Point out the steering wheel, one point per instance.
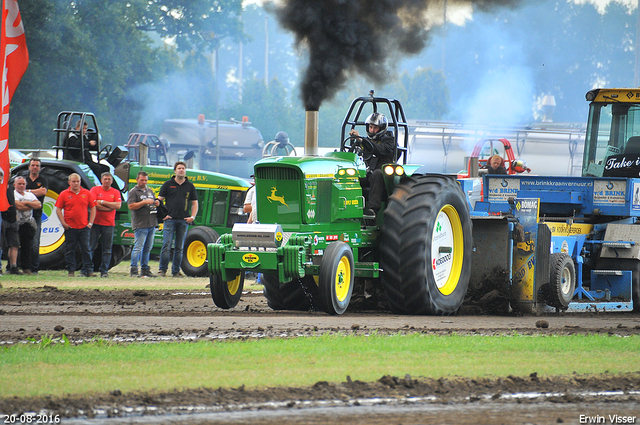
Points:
(361, 146)
(107, 151)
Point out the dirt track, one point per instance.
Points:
(164, 315)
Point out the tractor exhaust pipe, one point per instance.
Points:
(311, 133)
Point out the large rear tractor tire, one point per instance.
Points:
(194, 259)
(226, 295)
(562, 281)
(52, 234)
(335, 284)
(297, 294)
(426, 246)
(118, 253)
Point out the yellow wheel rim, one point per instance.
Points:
(234, 285)
(196, 254)
(343, 279)
(447, 250)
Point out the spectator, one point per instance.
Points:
(72, 207)
(144, 218)
(25, 203)
(9, 225)
(181, 197)
(108, 200)
(38, 185)
(250, 203)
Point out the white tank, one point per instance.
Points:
(553, 149)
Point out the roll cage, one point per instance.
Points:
(360, 109)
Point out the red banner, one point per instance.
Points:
(15, 59)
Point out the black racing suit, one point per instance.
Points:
(384, 152)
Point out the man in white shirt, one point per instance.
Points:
(26, 202)
(250, 203)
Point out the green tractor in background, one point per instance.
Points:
(221, 196)
(314, 246)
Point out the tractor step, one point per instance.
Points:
(618, 245)
(607, 272)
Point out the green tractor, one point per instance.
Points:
(221, 196)
(315, 247)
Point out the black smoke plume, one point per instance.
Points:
(362, 36)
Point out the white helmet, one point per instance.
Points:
(379, 120)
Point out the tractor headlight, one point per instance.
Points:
(391, 169)
(347, 172)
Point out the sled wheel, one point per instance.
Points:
(297, 294)
(335, 284)
(562, 281)
(194, 260)
(226, 294)
(426, 246)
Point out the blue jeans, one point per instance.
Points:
(143, 242)
(178, 228)
(105, 233)
(73, 237)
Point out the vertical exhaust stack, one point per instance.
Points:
(311, 133)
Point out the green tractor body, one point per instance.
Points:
(315, 245)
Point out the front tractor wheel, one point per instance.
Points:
(336, 278)
(226, 295)
(426, 246)
(562, 281)
(194, 260)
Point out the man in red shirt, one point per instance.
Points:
(77, 204)
(108, 200)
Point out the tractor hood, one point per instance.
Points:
(297, 191)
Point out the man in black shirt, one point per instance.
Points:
(38, 185)
(181, 196)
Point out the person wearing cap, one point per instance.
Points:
(250, 202)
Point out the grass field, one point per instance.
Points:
(57, 368)
(48, 368)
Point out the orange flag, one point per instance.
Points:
(15, 59)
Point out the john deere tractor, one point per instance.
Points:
(221, 196)
(315, 247)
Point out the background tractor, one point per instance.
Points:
(570, 242)
(221, 196)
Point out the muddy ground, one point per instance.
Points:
(168, 315)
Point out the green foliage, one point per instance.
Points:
(194, 25)
(85, 55)
(102, 366)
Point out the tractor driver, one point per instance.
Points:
(74, 140)
(383, 150)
